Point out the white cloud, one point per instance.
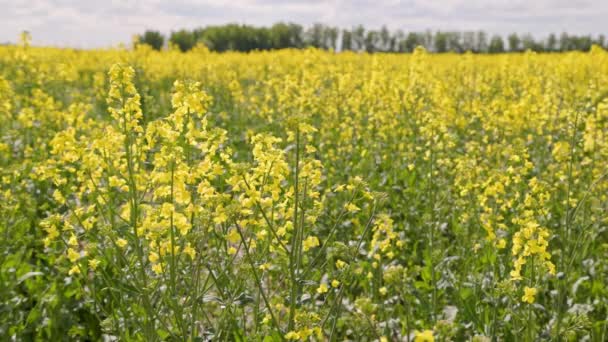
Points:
(88, 23)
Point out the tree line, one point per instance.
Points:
(237, 37)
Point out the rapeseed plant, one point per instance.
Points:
(302, 195)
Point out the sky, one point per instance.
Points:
(95, 23)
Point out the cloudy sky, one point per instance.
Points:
(94, 23)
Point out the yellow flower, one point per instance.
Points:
(261, 235)
(221, 216)
(58, 197)
(310, 242)
(476, 247)
(340, 264)
(322, 288)
(73, 241)
(74, 270)
(73, 255)
(424, 336)
(292, 335)
(287, 227)
(383, 291)
(93, 263)
(335, 283)
(157, 268)
(529, 295)
(233, 236)
(550, 267)
(190, 251)
(352, 208)
(516, 275)
(153, 257)
(121, 243)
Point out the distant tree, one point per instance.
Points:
(564, 42)
(468, 41)
(372, 40)
(441, 42)
(454, 41)
(215, 38)
(412, 40)
(297, 35)
(237, 37)
(153, 38)
(359, 38)
(261, 38)
(314, 36)
(428, 40)
(497, 45)
(551, 44)
(571, 42)
(601, 40)
(330, 38)
(347, 40)
(280, 36)
(584, 43)
(528, 43)
(514, 42)
(385, 43)
(481, 42)
(393, 43)
(183, 39)
(398, 38)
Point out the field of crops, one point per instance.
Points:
(302, 195)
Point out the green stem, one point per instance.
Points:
(294, 248)
(257, 279)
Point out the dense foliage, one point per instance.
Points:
(302, 195)
(153, 38)
(235, 37)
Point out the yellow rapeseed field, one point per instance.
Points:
(302, 195)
